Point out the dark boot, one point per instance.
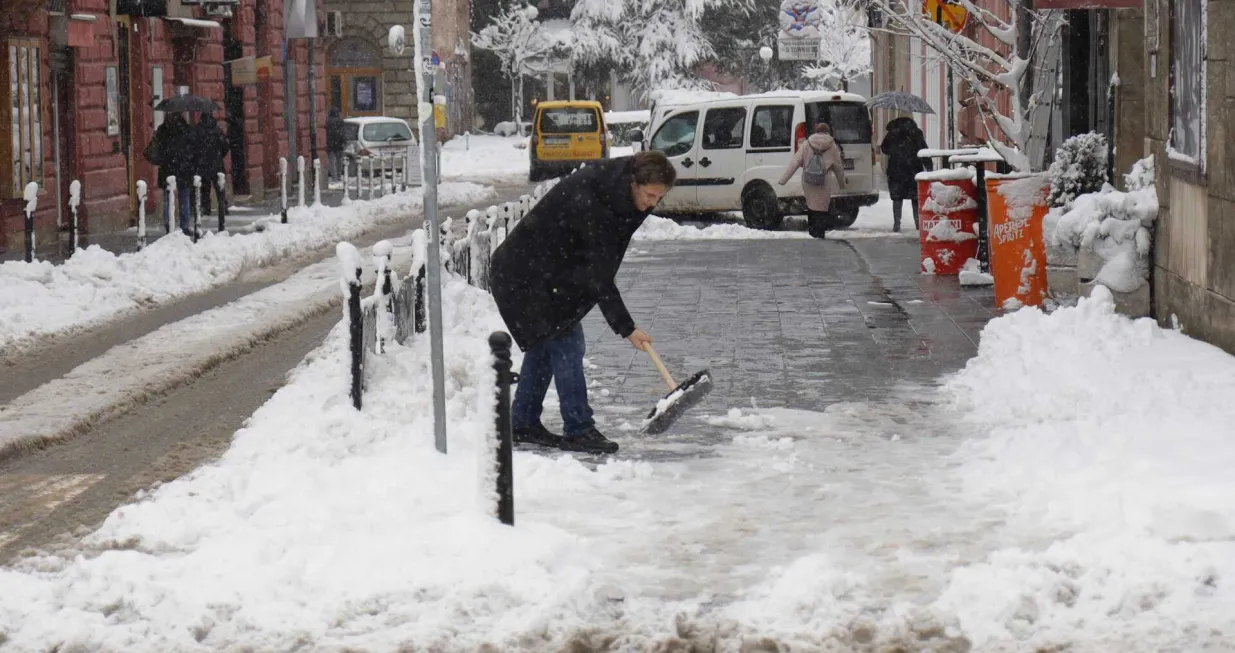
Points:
(592, 441)
(896, 215)
(536, 435)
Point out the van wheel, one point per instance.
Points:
(761, 209)
(845, 218)
(534, 173)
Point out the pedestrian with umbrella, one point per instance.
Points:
(171, 151)
(211, 147)
(901, 144)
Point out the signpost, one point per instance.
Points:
(799, 30)
(426, 63)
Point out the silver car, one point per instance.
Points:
(382, 136)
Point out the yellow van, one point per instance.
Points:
(564, 135)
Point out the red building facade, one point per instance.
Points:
(78, 86)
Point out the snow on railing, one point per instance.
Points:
(396, 309)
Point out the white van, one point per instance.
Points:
(729, 154)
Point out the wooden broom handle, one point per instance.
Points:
(664, 372)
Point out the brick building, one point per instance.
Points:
(365, 78)
(79, 80)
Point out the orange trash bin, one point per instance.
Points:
(1017, 206)
(949, 220)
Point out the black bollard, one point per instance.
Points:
(984, 249)
(420, 300)
(355, 321)
(499, 344)
(29, 235)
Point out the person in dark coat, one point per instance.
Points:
(902, 143)
(171, 150)
(553, 268)
(211, 146)
(336, 140)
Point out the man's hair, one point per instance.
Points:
(652, 167)
(823, 128)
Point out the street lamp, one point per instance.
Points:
(765, 53)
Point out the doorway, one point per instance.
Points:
(233, 106)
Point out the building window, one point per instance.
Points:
(1187, 141)
(21, 116)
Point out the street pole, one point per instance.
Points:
(426, 70)
(951, 126)
(289, 98)
(312, 110)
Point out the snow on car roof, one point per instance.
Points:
(618, 117)
(366, 120)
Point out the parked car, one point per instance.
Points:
(381, 136)
(622, 123)
(565, 134)
(729, 154)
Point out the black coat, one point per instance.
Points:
(902, 143)
(336, 137)
(210, 146)
(171, 150)
(562, 259)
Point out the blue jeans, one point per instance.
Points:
(559, 360)
(184, 208)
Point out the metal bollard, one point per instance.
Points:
(403, 177)
(141, 214)
(317, 182)
(984, 247)
(283, 186)
(370, 159)
(499, 344)
(221, 195)
(74, 225)
(173, 197)
(300, 180)
(346, 190)
(355, 321)
(197, 207)
(381, 166)
(31, 195)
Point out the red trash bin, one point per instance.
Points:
(948, 213)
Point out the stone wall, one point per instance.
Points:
(1194, 259)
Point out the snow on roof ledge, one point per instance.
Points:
(194, 22)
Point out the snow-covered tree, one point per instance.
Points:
(986, 69)
(1079, 168)
(518, 39)
(844, 46)
(654, 43)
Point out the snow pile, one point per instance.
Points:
(972, 275)
(658, 228)
(949, 231)
(945, 198)
(1114, 439)
(1110, 230)
(485, 158)
(95, 285)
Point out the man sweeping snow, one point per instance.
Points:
(559, 263)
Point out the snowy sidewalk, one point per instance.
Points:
(1067, 488)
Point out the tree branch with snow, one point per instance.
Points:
(844, 46)
(986, 71)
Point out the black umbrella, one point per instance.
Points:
(183, 103)
(900, 101)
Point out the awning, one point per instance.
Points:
(194, 22)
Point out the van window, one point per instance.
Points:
(387, 131)
(569, 120)
(677, 135)
(850, 121)
(724, 129)
(772, 127)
